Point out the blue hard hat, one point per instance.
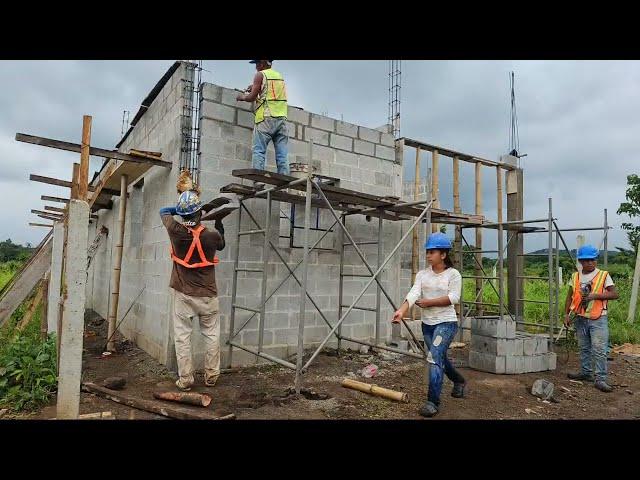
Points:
(438, 240)
(588, 252)
(188, 203)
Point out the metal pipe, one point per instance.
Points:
(388, 208)
(550, 272)
(366, 309)
(234, 286)
(377, 332)
(573, 229)
(383, 347)
(510, 222)
(532, 301)
(117, 265)
(501, 270)
(361, 255)
(356, 275)
(557, 283)
(606, 243)
(284, 363)
(480, 277)
(373, 242)
(563, 242)
(341, 281)
(255, 270)
(305, 271)
(483, 303)
(395, 249)
(265, 264)
(275, 188)
(242, 307)
(251, 232)
(532, 277)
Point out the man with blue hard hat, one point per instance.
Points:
(193, 279)
(269, 93)
(586, 304)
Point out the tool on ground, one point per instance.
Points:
(190, 398)
(123, 317)
(375, 390)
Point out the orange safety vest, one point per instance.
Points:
(195, 244)
(594, 307)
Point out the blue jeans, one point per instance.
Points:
(593, 340)
(271, 129)
(437, 339)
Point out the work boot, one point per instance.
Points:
(429, 410)
(184, 385)
(603, 386)
(580, 376)
(211, 381)
(458, 390)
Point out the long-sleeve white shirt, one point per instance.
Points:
(430, 285)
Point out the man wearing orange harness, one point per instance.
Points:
(193, 279)
(586, 302)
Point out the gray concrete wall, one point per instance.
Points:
(363, 159)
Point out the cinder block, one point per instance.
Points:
(370, 164)
(346, 158)
(382, 179)
(246, 119)
(217, 111)
(388, 140)
(514, 364)
(385, 152)
(486, 362)
(493, 327)
(318, 136)
(348, 129)
(369, 134)
(297, 115)
(366, 148)
(343, 143)
(291, 130)
(211, 92)
(323, 123)
(552, 360)
(229, 98)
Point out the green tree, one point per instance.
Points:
(632, 209)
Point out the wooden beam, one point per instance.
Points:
(435, 186)
(64, 183)
(99, 188)
(54, 199)
(478, 245)
(98, 152)
(46, 213)
(55, 209)
(50, 217)
(74, 185)
(40, 225)
(447, 152)
(83, 177)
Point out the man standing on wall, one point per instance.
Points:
(193, 251)
(270, 108)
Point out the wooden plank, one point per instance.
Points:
(40, 225)
(447, 152)
(98, 152)
(54, 199)
(178, 412)
(100, 187)
(83, 175)
(75, 191)
(64, 183)
(55, 209)
(46, 213)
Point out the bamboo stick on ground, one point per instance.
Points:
(375, 390)
(191, 398)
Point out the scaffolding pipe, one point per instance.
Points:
(265, 264)
(117, 265)
(377, 333)
(550, 272)
(234, 286)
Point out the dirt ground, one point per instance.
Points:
(261, 392)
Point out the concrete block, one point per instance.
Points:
(496, 346)
(514, 364)
(493, 327)
(388, 140)
(382, 179)
(341, 142)
(348, 129)
(552, 360)
(370, 164)
(346, 158)
(297, 115)
(323, 123)
(246, 119)
(486, 362)
(318, 136)
(369, 134)
(291, 129)
(217, 111)
(229, 98)
(365, 148)
(387, 153)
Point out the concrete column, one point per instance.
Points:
(71, 336)
(515, 263)
(53, 305)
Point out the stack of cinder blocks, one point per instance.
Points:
(496, 347)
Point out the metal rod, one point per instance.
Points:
(364, 260)
(265, 264)
(501, 270)
(480, 277)
(572, 229)
(234, 286)
(377, 332)
(242, 307)
(563, 242)
(483, 303)
(557, 282)
(533, 277)
(510, 222)
(395, 249)
(373, 242)
(606, 243)
(366, 309)
(390, 208)
(305, 271)
(533, 301)
(383, 347)
(255, 270)
(251, 232)
(550, 272)
(275, 188)
(284, 363)
(356, 275)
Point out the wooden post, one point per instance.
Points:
(435, 188)
(457, 254)
(117, 265)
(83, 177)
(415, 263)
(75, 191)
(634, 289)
(45, 305)
(478, 245)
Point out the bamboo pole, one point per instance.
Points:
(478, 245)
(117, 265)
(457, 251)
(190, 398)
(83, 176)
(375, 390)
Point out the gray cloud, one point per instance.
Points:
(577, 123)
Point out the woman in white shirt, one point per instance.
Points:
(436, 290)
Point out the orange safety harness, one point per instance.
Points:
(195, 244)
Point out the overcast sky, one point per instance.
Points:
(578, 124)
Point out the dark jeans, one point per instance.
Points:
(437, 339)
(593, 339)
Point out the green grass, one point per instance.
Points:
(619, 330)
(8, 270)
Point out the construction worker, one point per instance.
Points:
(269, 93)
(193, 279)
(436, 290)
(586, 303)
